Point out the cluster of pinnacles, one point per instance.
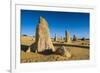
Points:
(43, 41)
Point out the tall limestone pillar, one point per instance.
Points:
(67, 37)
(43, 41)
(75, 38)
(55, 38)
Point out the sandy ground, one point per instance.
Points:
(78, 53)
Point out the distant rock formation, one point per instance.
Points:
(67, 37)
(75, 38)
(43, 40)
(55, 38)
(61, 38)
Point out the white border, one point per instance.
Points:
(16, 66)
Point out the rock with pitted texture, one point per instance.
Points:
(43, 41)
(63, 52)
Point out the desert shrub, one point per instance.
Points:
(24, 35)
(24, 48)
(47, 52)
(83, 39)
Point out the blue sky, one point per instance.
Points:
(74, 22)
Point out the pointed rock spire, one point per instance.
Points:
(67, 37)
(43, 40)
(75, 38)
(55, 39)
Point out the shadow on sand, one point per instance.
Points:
(71, 45)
